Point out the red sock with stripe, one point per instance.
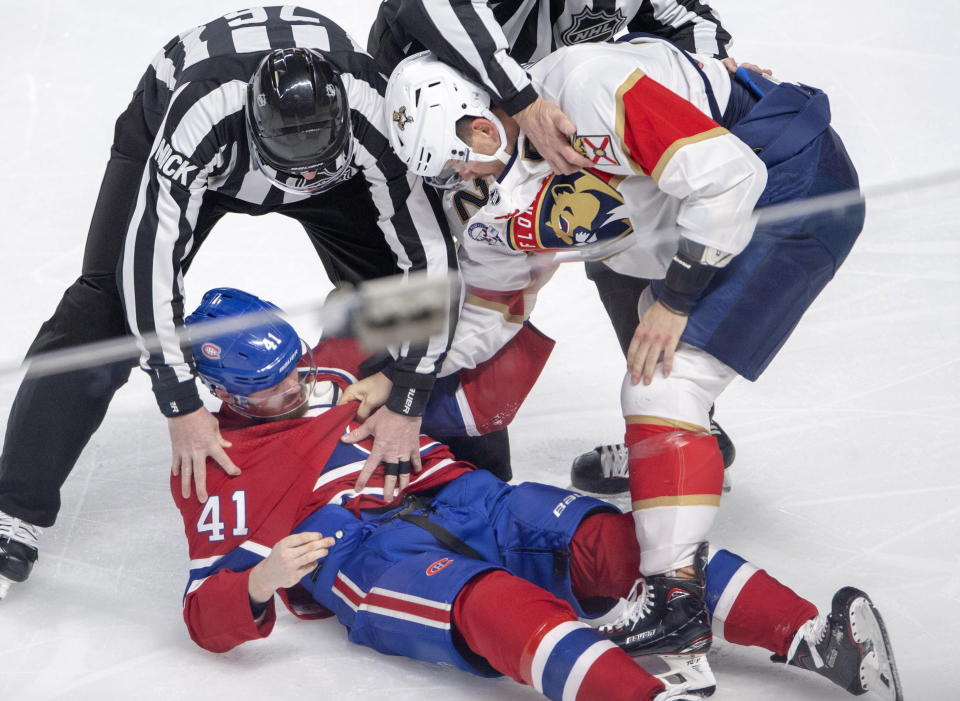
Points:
(676, 477)
(529, 635)
(752, 608)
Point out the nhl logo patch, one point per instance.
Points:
(401, 118)
(211, 350)
(597, 147)
(593, 25)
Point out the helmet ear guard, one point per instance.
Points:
(425, 99)
(244, 364)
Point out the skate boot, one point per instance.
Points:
(849, 647)
(18, 550)
(727, 449)
(667, 616)
(603, 471)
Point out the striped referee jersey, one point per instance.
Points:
(488, 40)
(194, 93)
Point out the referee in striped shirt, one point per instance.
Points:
(489, 40)
(187, 151)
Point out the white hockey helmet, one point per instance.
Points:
(425, 99)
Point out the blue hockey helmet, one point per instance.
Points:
(244, 363)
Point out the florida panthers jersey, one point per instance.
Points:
(663, 169)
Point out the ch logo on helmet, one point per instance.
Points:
(401, 117)
(331, 91)
(439, 565)
(261, 100)
(211, 350)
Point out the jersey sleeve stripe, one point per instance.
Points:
(619, 123)
(652, 123)
(679, 144)
(507, 310)
(472, 40)
(241, 558)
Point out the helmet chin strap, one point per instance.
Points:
(500, 154)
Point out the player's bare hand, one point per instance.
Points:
(372, 393)
(396, 444)
(656, 337)
(731, 65)
(193, 438)
(550, 130)
(289, 561)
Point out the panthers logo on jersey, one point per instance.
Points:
(571, 211)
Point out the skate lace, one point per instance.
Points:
(812, 632)
(613, 460)
(639, 604)
(16, 529)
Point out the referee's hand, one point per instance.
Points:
(193, 438)
(396, 442)
(550, 130)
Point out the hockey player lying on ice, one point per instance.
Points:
(460, 567)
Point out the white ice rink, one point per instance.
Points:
(847, 467)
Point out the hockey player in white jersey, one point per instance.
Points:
(491, 42)
(682, 156)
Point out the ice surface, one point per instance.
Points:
(847, 467)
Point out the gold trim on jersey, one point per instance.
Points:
(659, 421)
(621, 117)
(679, 144)
(680, 500)
(529, 151)
(478, 301)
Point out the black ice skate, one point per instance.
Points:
(849, 647)
(18, 550)
(727, 449)
(667, 616)
(603, 471)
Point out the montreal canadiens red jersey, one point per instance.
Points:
(293, 467)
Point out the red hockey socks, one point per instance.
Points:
(750, 607)
(529, 635)
(604, 556)
(676, 477)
